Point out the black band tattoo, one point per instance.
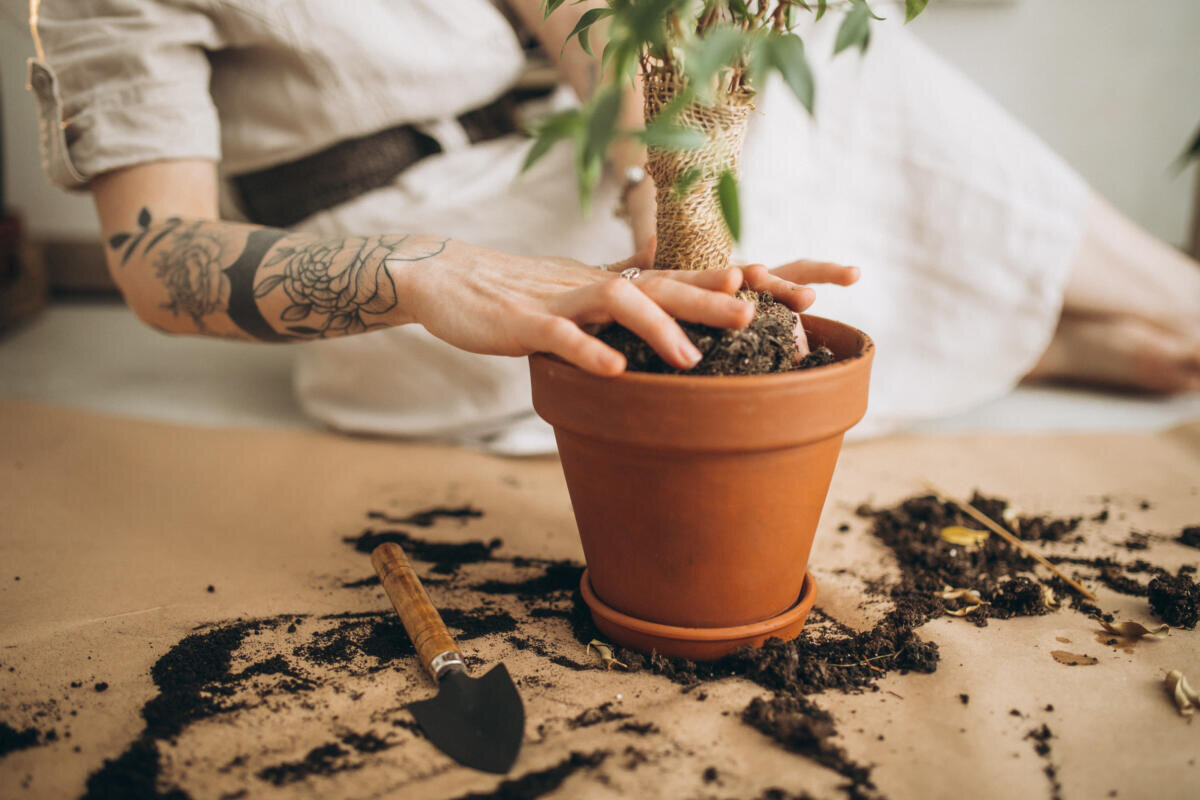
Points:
(334, 287)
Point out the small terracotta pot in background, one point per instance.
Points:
(697, 497)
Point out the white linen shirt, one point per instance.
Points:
(252, 83)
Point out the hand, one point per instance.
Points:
(495, 303)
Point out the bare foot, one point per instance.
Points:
(1123, 352)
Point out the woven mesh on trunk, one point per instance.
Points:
(691, 231)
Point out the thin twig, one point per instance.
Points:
(1008, 536)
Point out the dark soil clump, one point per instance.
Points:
(532, 785)
(767, 344)
(1175, 600)
(426, 517)
(802, 727)
(1019, 597)
(324, 760)
(12, 740)
(597, 715)
(439, 553)
(1190, 537)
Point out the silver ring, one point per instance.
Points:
(631, 273)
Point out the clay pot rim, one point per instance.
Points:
(800, 609)
(776, 379)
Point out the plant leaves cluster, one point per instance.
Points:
(716, 47)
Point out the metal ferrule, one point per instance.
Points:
(446, 661)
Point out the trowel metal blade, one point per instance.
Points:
(479, 722)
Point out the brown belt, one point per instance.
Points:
(282, 195)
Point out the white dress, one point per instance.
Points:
(963, 223)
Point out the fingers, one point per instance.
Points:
(694, 301)
(621, 301)
(726, 281)
(792, 295)
(546, 333)
(806, 271)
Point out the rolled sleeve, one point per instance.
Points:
(119, 83)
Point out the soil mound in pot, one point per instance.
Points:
(767, 344)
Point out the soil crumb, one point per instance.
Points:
(1190, 537)
(532, 785)
(1175, 600)
(767, 344)
(12, 740)
(1041, 745)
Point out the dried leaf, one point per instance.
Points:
(1132, 630)
(971, 596)
(1073, 659)
(1187, 699)
(606, 654)
(964, 537)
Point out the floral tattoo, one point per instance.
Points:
(345, 281)
(333, 287)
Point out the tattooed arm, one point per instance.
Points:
(183, 270)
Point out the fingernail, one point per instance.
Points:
(690, 355)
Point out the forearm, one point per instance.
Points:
(210, 277)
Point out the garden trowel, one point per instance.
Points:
(479, 722)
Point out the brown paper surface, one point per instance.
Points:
(116, 528)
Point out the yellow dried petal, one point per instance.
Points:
(1132, 630)
(1187, 700)
(606, 654)
(964, 537)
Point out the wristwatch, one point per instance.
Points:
(633, 178)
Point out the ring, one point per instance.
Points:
(631, 273)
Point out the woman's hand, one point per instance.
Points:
(495, 303)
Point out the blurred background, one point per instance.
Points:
(1113, 86)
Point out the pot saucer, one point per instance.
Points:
(698, 644)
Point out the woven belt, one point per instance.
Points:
(282, 195)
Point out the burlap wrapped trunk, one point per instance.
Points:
(692, 233)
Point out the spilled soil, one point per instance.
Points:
(219, 671)
(767, 344)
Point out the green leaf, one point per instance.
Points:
(912, 8)
(550, 6)
(727, 197)
(822, 7)
(854, 30)
(602, 120)
(563, 125)
(589, 18)
(686, 180)
(672, 137)
(787, 55)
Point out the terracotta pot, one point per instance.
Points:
(697, 497)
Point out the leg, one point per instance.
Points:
(1131, 311)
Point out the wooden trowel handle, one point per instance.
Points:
(435, 648)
